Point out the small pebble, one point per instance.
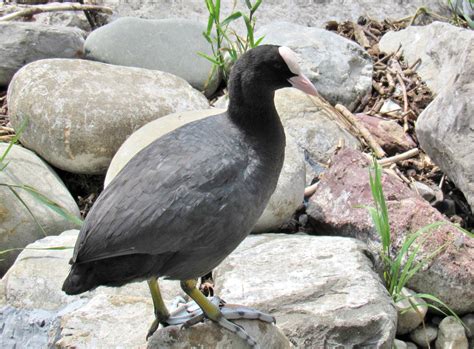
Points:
(419, 336)
(398, 344)
(469, 322)
(451, 334)
(424, 190)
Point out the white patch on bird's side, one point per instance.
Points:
(290, 58)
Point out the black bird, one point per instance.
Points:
(187, 200)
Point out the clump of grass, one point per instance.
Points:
(225, 40)
(461, 10)
(399, 269)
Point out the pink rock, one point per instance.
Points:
(333, 210)
(388, 134)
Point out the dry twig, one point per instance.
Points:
(30, 11)
(378, 151)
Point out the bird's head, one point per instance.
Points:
(267, 68)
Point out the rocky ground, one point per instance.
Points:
(401, 91)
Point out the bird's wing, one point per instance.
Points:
(167, 195)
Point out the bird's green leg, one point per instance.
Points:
(161, 313)
(213, 312)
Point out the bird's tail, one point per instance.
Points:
(81, 278)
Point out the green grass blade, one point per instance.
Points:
(231, 18)
(212, 59)
(12, 189)
(259, 40)
(12, 142)
(52, 205)
(217, 10)
(255, 6)
(249, 26)
(249, 5)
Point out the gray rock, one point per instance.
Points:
(445, 129)
(322, 293)
(22, 43)
(288, 194)
(410, 317)
(22, 328)
(91, 108)
(334, 209)
(312, 127)
(303, 12)
(169, 45)
(441, 59)
(411, 345)
(451, 334)
(18, 228)
(424, 190)
(423, 334)
(340, 69)
(210, 335)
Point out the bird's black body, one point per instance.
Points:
(183, 203)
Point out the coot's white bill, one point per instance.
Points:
(302, 83)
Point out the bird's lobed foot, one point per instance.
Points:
(189, 314)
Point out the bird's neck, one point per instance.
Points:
(253, 110)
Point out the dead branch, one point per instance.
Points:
(30, 11)
(378, 151)
(400, 157)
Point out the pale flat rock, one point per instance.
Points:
(283, 203)
(31, 292)
(47, 269)
(91, 108)
(339, 68)
(22, 43)
(18, 228)
(320, 289)
(169, 45)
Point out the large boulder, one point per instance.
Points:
(335, 208)
(303, 12)
(340, 69)
(444, 128)
(322, 290)
(18, 227)
(91, 108)
(22, 43)
(170, 45)
(288, 194)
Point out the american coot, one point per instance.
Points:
(185, 202)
